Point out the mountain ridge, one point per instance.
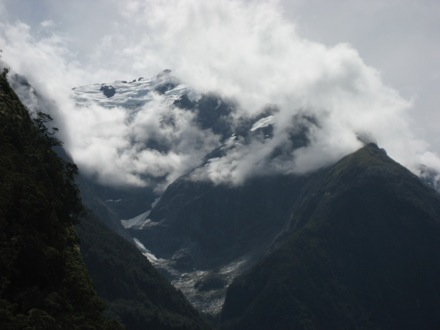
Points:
(361, 259)
(43, 281)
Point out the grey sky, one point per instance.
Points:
(401, 38)
(335, 58)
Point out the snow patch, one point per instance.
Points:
(147, 253)
(263, 122)
(137, 221)
(130, 95)
(113, 200)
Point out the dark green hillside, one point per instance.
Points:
(136, 294)
(43, 281)
(366, 255)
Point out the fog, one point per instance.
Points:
(249, 52)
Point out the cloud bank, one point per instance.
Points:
(245, 51)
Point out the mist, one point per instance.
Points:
(244, 51)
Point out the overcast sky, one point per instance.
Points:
(379, 56)
(400, 38)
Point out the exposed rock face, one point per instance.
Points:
(108, 90)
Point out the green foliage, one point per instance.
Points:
(43, 281)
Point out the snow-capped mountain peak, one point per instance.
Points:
(132, 94)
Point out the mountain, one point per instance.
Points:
(136, 295)
(362, 251)
(177, 111)
(131, 95)
(203, 234)
(43, 281)
(353, 244)
(199, 251)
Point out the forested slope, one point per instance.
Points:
(43, 281)
(136, 294)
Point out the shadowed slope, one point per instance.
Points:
(43, 281)
(366, 255)
(136, 294)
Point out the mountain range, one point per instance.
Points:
(352, 244)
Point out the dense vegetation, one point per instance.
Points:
(137, 295)
(43, 281)
(363, 252)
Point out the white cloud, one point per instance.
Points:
(243, 50)
(396, 36)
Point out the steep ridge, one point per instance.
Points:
(135, 293)
(362, 251)
(43, 281)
